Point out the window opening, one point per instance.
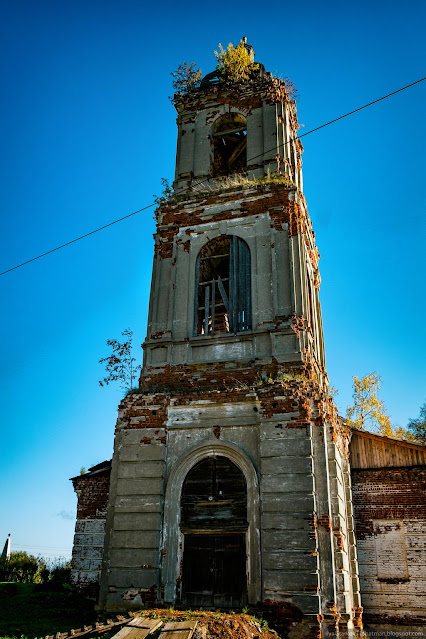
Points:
(223, 287)
(230, 144)
(214, 497)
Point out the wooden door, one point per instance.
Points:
(214, 570)
(214, 525)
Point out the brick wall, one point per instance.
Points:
(92, 490)
(390, 521)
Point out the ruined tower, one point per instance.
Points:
(230, 481)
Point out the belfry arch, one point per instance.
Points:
(245, 538)
(229, 144)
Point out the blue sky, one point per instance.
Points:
(87, 133)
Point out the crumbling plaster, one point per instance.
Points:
(279, 267)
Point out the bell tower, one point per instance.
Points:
(230, 482)
(236, 264)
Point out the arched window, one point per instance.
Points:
(223, 287)
(214, 497)
(229, 144)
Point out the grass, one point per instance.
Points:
(26, 610)
(228, 183)
(242, 181)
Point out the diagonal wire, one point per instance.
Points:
(77, 239)
(125, 217)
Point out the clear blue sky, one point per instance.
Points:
(87, 133)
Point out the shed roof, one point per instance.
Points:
(103, 467)
(374, 450)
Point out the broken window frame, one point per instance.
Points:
(229, 137)
(232, 293)
(214, 497)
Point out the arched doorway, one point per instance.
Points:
(214, 525)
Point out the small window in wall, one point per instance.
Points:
(223, 287)
(229, 144)
(391, 552)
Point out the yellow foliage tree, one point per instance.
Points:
(368, 411)
(234, 64)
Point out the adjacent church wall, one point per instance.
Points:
(92, 489)
(390, 518)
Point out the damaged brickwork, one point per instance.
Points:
(275, 197)
(92, 490)
(258, 90)
(196, 406)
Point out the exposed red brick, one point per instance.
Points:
(387, 493)
(324, 521)
(273, 198)
(93, 493)
(338, 535)
(245, 96)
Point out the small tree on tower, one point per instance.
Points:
(120, 365)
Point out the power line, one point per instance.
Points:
(344, 116)
(77, 239)
(125, 217)
(363, 107)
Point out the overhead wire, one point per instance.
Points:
(144, 208)
(77, 239)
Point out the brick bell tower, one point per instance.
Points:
(230, 479)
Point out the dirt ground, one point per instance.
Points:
(219, 625)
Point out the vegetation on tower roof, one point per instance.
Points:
(235, 69)
(186, 78)
(235, 64)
